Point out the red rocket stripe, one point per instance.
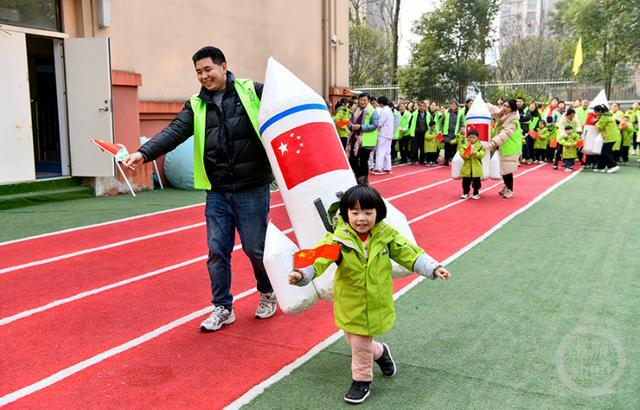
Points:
(307, 151)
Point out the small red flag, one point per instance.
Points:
(342, 124)
(440, 138)
(467, 151)
(307, 257)
(109, 147)
(534, 135)
(580, 143)
(307, 151)
(553, 143)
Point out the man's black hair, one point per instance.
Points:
(214, 53)
(570, 111)
(364, 95)
(549, 119)
(366, 197)
(468, 100)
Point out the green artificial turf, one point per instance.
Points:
(33, 220)
(560, 280)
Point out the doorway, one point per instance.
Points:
(45, 90)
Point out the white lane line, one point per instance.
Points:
(286, 370)
(69, 371)
(130, 218)
(82, 295)
(413, 191)
(404, 175)
(131, 240)
(459, 201)
(99, 248)
(63, 374)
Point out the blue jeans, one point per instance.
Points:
(247, 211)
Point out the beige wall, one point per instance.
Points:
(158, 37)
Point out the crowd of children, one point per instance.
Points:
(423, 132)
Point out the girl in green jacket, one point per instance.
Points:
(363, 290)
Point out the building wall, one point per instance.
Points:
(158, 38)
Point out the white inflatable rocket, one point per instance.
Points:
(309, 164)
(479, 119)
(593, 140)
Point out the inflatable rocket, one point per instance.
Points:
(311, 169)
(593, 140)
(479, 118)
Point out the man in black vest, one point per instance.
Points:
(237, 166)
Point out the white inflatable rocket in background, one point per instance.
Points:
(308, 161)
(593, 140)
(479, 119)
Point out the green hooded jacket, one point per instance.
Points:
(542, 142)
(363, 289)
(569, 147)
(472, 166)
(430, 141)
(608, 128)
(627, 135)
(342, 114)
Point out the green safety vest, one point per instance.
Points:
(404, 122)
(413, 121)
(514, 144)
(396, 131)
(251, 103)
(445, 128)
(369, 138)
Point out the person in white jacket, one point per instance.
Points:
(385, 138)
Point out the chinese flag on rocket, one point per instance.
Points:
(483, 131)
(308, 150)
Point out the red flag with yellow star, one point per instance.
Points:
(307, 257)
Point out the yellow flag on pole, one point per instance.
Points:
(577, 59)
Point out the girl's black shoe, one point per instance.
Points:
(386, 363)
(358, 392)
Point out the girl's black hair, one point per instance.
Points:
(366, 197)
(600, 108)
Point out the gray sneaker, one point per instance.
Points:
(267, 306)
(220, 316)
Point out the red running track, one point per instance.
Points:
(184, 367)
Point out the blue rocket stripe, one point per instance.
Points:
(290, 111)
(479, 117)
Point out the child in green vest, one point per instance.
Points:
(472, 153)
(569, 143)
(554, 150)
(541, 143)
(431, 145)
(363, 301)
(627, 131)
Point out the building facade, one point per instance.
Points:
(118, 70)
(523, 18)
